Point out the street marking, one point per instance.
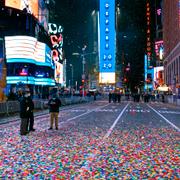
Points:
(89, 111)
(115, 122)
(169, 112)
(93, 155)
(173, 125)
(138, 110)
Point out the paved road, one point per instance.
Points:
(96, 141)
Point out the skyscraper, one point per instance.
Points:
(171, 37)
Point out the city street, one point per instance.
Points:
(96, 140)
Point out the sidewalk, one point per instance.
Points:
(15, 117)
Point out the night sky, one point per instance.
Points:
(73, 16)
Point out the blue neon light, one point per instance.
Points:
(22, 60)
(107, 36)
(30, 80)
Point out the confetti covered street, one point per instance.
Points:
(97, 140)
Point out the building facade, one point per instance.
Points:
(26, 47)
(171, 37)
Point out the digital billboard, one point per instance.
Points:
(27, 49)
(158, 76)
(31, 6)
(30, 80)
(56, 36)
(58, 72)
(107, 41)
(159, 49)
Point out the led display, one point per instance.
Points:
(27, 49)
(107, 78)
(159, 49)
(31, 6)
(107, 41)
(30, 80)
(158, 76)
(56, 36)
(59, 72)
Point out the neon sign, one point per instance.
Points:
(107, 41)
(148, 33)
(56, 36)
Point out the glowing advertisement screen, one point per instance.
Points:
(30, 5)
(159, 49)
(27, 49)
(107, 41)
(158, 76)
(30, 80)
(59, 72)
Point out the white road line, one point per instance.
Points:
(115, 122)
(164, 118)
(93, 155)
(87, 112)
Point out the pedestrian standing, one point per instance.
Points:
(25, 108)
(119, 97)
(110, 97)
(30, 125)
(54, 104)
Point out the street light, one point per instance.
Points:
(83, 54)
(83, 63)
(72, 72)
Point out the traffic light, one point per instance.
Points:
(125, 80)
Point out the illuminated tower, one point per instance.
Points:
(107, 42)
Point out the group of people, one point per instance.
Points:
(27, 114)
(115, 97)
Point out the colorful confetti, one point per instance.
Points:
(78, 151)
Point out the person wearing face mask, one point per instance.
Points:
(26, 113)
(54, 104)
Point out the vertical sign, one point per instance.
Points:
(145, 72)
(107, 41)
(148, 33)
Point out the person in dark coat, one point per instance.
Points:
(26, 108)
(30, 125)
(110, 97)
(54, 104)
(119, 97)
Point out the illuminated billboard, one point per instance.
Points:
(158, 76)
(27, 49)
(31, 6)
(58, 72)
(159, 49)
(56, 36)
(30, 80)
(107, 42)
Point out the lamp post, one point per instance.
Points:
(72, 72)
(83, 63)
(83, 54)
(71, 76)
